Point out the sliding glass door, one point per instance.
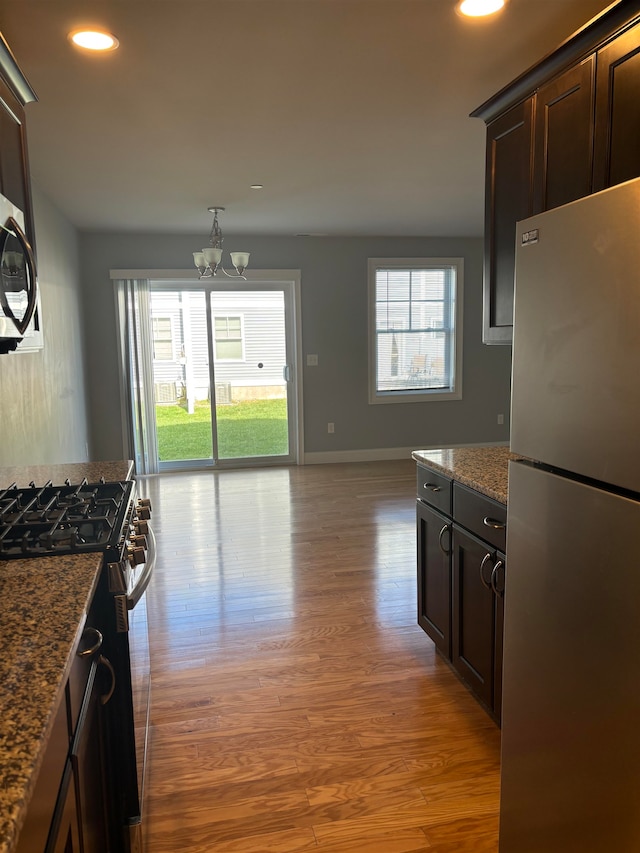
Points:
(223, 361)
(181, 385)
(251, 374)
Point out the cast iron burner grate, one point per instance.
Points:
(69, 519)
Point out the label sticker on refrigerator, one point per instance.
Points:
(529, 237)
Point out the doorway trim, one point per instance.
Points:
(278, 277)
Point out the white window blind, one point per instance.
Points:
(415, 311)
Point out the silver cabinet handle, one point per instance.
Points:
(447, 528)
(494, 523)
(494, 582)
(485, 560)
(106, 696)
(432, 487)
(85, 653)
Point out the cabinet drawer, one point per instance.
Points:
(88, 651)
(480, 515)
(434, 489)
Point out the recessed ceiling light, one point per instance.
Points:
(256, 186)
(94, 40)
(479, 8)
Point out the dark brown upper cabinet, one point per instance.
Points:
(617, 139)
(565, 128)
(563, 140)
(508, 199)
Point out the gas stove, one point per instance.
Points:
(53, 520)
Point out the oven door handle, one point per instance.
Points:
(143, 581)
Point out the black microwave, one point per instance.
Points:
(18, 280)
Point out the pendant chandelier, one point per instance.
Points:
(209, 260)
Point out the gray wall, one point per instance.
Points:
(42, 395)
(334, 325)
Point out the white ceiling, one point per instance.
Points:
(352, 113)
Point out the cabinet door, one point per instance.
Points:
(90, 770)
(563, 146)
(617, 135)
(508, 199)
(498, 579)
(65, 837)
(473, 614)
(434, 576)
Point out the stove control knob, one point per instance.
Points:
(136, 556)
(141, 527)
(143, 511)
(140, 541)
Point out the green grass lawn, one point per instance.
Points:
(256, 428)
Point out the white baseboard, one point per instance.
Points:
(383, 453)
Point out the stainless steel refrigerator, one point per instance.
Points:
(571, 700)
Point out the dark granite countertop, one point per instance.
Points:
(482, 468)
(43, 607)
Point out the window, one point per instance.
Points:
(228, 338)
(162, 338)
(415, 329)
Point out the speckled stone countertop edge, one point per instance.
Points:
(21, 805)
(483, 468)
(37, 655)
(23, 475)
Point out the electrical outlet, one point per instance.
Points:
(500, 419)
(331, 427)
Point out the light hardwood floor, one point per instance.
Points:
(296, 704)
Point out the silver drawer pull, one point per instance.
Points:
(85, 653)
(445, 529)
(494, 579)
(107, 663)
(432, 487)
(494, 523)
(486, 559)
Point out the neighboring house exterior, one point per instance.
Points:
(248, 346)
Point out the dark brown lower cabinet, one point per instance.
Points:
(434, 576)
(478, 611)
(65, 835)
(68, 812)
(87, 756)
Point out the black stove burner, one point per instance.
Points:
(63, 535)
(47, 520)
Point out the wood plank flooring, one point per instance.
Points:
(296, 704)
